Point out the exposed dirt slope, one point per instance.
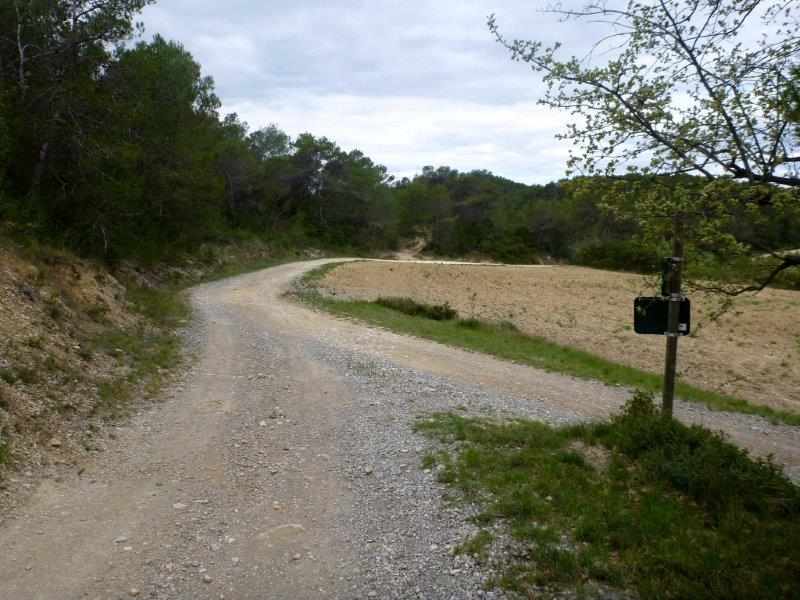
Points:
(752, 351)
(50, 309)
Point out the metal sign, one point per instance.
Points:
(650, 316)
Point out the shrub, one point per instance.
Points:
(471, 323)
(626, 255)
(8, 375)
(437, 312)
(698, 462)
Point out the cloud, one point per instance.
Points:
(408, 132)
(408, 83)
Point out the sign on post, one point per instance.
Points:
(651, 316)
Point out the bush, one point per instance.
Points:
(436, 312)
(698, 462)
(625, 255)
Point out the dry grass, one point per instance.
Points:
(752, 351)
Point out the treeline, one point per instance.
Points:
(567, 221)
(480, 213)
(121, 151)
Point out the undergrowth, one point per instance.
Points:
(675, 511)
(146, 352)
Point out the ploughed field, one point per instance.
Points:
(751, 351)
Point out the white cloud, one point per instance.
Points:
(408, 83)
(408, 132)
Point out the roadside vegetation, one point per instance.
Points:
(147, 352)
(637, 503)
(505, 341)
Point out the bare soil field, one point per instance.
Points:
(752, 351)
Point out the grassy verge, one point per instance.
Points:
(504, 341)
(639, 503)
(147, 351)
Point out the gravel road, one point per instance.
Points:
(283, 465)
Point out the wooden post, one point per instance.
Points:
(673, 321)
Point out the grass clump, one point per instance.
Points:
(146, 354)
(8, 375)
(477, 545)
(5, 452)
(676, 512)
(12, 375)
(435, 312)
(165, 307)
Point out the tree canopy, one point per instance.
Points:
(117, 147)
(691, 87)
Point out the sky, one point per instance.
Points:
(409, 83)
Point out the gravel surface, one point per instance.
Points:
(284, 465)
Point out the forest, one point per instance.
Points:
(119, 150)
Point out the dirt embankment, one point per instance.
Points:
(51, 310)
(751, 351)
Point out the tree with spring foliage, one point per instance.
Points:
(700, 87)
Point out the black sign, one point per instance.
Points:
(650, 316)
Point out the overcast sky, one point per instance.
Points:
(409, 83)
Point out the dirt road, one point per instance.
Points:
(285, 465)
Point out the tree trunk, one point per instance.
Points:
(38, 172)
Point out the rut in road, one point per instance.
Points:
(285, 465)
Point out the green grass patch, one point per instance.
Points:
(165, 307)
(147, 354)
(8, 375)
(5, 452)
(505, 341)
(435, 312)
(673, 511)
(477, 545)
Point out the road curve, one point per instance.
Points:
(284, 464)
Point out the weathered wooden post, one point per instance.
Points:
(673, 285)
(669, 314)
